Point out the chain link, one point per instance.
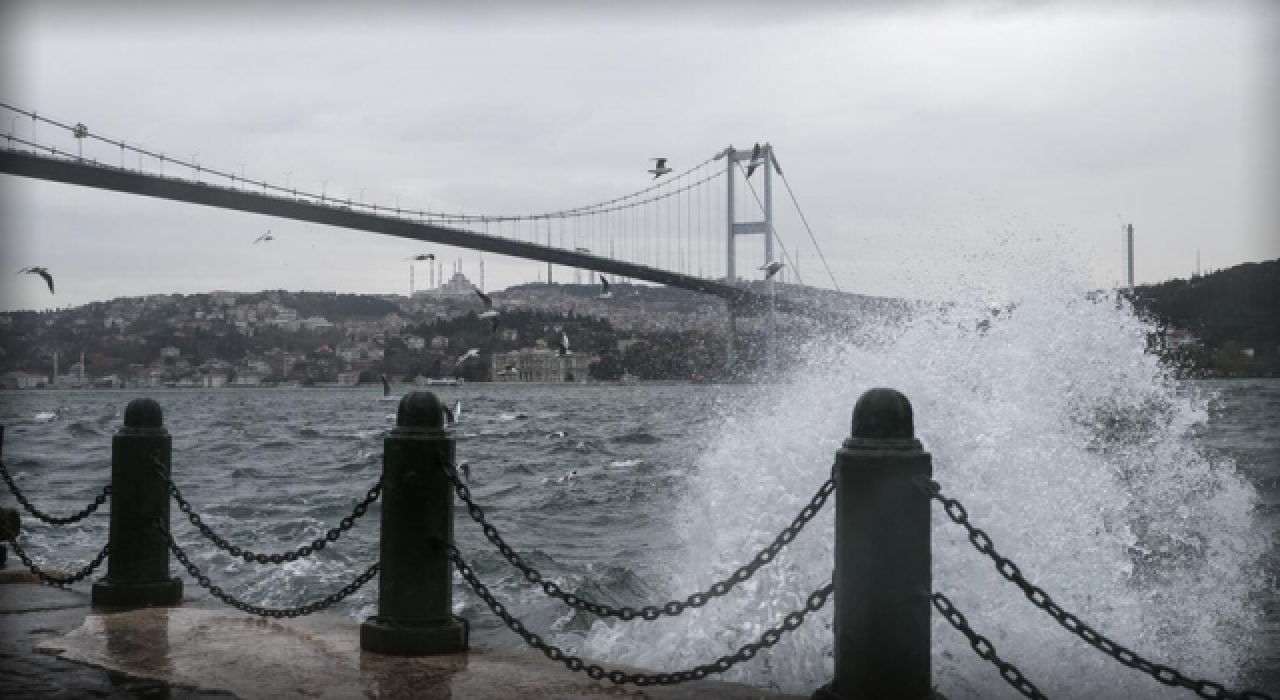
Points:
(53, 579)
(217, 592)
(985, 649)
(648, 612)
(302, 552)
(1165, 674)
(45, 517)
(771, 636)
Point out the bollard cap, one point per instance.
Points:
(419, 411)
(882, 421)
(143, 417)
(883, 414)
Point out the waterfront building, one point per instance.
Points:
(538, 364)
(23, 380)
(348, 378)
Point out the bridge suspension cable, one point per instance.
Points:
(805, 219)
(604, 206)
(663, 225)
(772, 230)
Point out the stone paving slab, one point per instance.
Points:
(31, 614)
(201, 652)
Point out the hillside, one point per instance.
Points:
(1232, 315)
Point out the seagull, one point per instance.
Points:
(605, 293)
(772, 268)
(564, 343)
(264, 238)
(422, 256)
(755, 160)
(556, 434)
(48, 278)
(473, 352)
(465, 468)
(488, 306)
(659, 167)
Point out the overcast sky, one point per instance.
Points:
(931, 147)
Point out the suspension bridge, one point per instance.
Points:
(681, 231)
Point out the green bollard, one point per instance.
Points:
(415, 585)
(883, 576)
(138, 561)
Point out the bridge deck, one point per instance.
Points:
(87, 173)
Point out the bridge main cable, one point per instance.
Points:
(80, 131)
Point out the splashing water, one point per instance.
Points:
(1066, 442)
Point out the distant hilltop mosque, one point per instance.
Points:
(457, 287)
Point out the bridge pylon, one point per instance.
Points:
(762, 159)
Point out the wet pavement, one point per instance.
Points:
(53, 645)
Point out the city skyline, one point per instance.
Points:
(932, 149)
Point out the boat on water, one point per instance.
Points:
(441, 381)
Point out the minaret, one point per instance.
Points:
(1129, 248)
(410, 280)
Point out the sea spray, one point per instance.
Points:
(1068, 443)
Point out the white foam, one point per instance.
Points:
(1066, 442)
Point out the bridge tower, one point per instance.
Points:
(763, 161)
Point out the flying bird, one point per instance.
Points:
(488, 306)
(659, 167)
(264, 238)
(48, 278)
(473, 352)
(755, 160)
(605, 293)
(772, 268)
(422, 256)
(564, 343)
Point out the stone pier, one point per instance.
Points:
(54, 645)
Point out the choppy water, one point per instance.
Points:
(1147, 506)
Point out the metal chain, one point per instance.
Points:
(648, 612)
(1165, 674)
(217, 592)
(771, 636)
(304, 551)
(54, 580)
(985, 649)
(52, 519)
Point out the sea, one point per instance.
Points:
(1146, 504)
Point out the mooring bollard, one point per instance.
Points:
(138, 561)
(883, 579)
(415, 585)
